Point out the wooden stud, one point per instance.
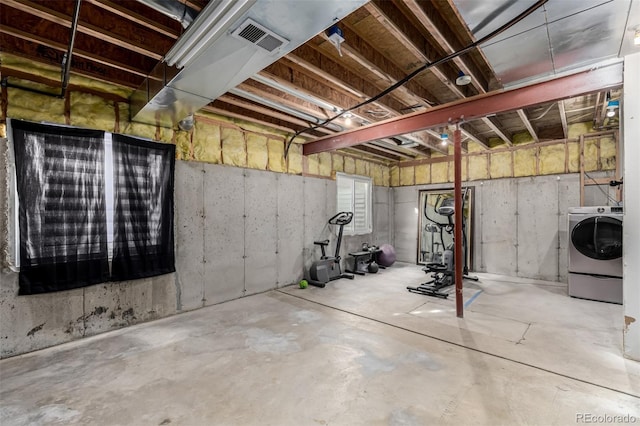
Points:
(566, 156)
(513, 163)
(4, 103)
(581, 170)
(67, 107)
(221, 146)
(116, 124)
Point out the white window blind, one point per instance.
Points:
(354, 195)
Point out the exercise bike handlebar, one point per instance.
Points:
(342, 218)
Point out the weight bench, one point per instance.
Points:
(362, 259)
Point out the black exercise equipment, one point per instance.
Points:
(328, 267)
(443, 273)
(364, 260)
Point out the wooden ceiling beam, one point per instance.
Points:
(375, 9)
(528, 125)
(40, 10)
(606, 77)
(121, 9)
(393, 152)
(332, 99)
(421, 139)
(53, 57)
(226, 110)
(77, 53)
(563, 119)
(358, 151)
(390, 24)
(410, 152)
(9, 72)
(233, 100)
(478, 82)
(411, 92)
(483, 142)
(496, 128)
(279, 76)
(275, 95)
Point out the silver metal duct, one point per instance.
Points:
(174, 9)
(221, 49)
(562, 36)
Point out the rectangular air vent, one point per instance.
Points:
(254, 33)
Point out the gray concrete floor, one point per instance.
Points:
(361, 352)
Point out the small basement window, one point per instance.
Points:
(354, 195)
(89, 207)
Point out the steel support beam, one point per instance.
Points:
(457, 217)
(606, 77)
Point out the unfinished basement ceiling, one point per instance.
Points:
(384, 41)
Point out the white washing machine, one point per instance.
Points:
(595, 253)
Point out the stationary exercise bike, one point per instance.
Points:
(443, 273)
(328, 267)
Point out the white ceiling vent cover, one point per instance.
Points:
(260, 36)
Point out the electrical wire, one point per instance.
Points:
(424, 67)
(609, 197)
(543, 114)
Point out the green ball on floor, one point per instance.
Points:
(304, 284)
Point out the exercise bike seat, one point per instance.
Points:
(322, 243)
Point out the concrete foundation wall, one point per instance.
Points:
(519, 224)
(238, 232)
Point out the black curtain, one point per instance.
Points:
(143, 216)
(62, 220)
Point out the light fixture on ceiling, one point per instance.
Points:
(186, 123)
(210, 24)
(636, 37)
(463, 79)
(444, 138)
(612, 106)
(347, 118)
(336, 37)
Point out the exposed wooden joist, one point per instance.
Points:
(53, 58)
(421, 139)
(602, 111)
(92, 56)
(392, 152)
(376, 11)
(563, 119)
(281, 83)
(409, 96)
(43, 12)
(9, 72)
(118, 8)
(225, 113)
(269, 112)
(376, 152)
(477, 139)
(318, 70)
(528, 125)
(274, 95)
(490, 121)
(406, 152)
(476, 107)
(435, 32)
